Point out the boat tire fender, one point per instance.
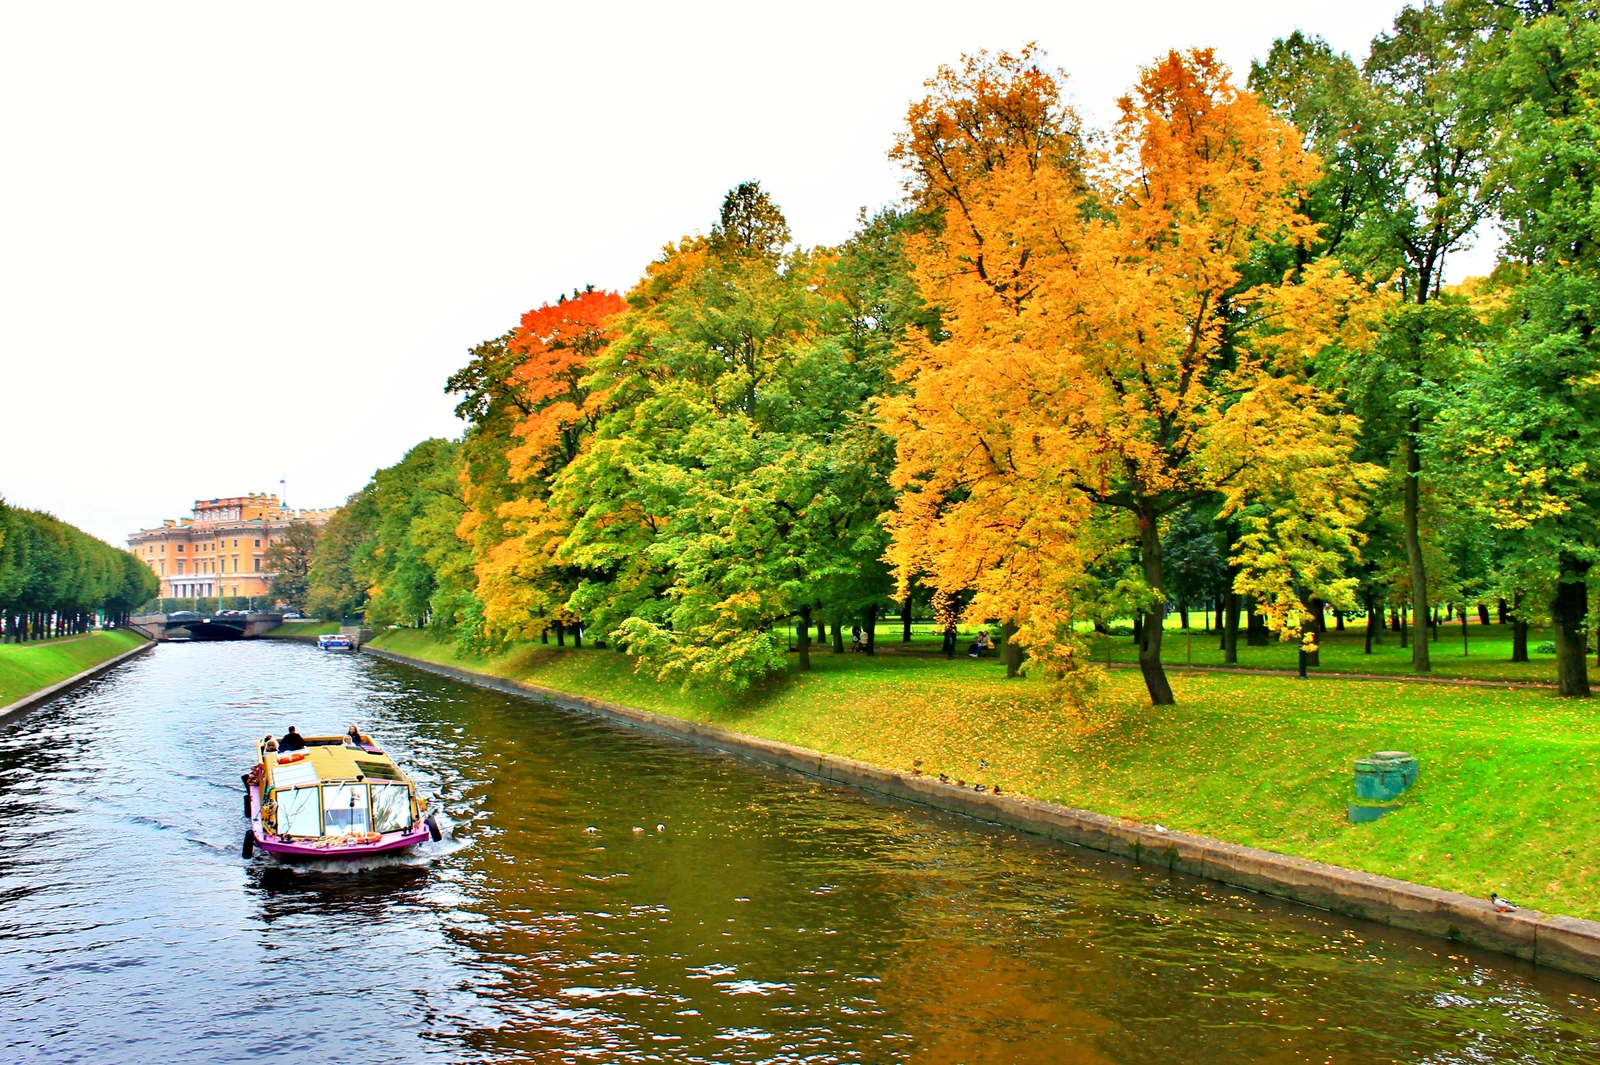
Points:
(433, 828)
(248, 850)
(246, 779)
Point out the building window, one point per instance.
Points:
(236, 563)
(180, 547)
(258, 563)
(258, 543)
(236, 543)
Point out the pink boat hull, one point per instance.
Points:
(391, 841)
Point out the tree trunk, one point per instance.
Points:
(1420, 613)
(1230, 630)
(1483, 613)
(1569, 613)
(544, 634)
(1463, 631)
(804, 639)
(1374, 619)
(872, 628)
(905, 620)
(1519, 640)
(838, 637)
(577, 635)
(1256, 634)
(1183, 615)
(1011, 649)
(1504, 611)
(1155, 678)
(561, 634)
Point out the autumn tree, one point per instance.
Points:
(529, 406)
(1109, 357)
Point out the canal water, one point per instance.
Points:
(607, 897)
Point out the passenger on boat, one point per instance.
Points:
(271, 744)
(354, 736)
(292, 741)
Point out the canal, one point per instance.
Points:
(604, 897)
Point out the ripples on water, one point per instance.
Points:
(771, 919)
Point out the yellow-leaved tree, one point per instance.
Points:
(1117, 344)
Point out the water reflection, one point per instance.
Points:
(767, 918)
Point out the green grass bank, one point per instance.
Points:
(1508, 798)
(27, 667)
(303, 630)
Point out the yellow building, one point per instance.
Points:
(221, 550)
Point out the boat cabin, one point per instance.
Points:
(333, 787)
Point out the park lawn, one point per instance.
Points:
(304, 629)
(27, 667)
(1507, 799)
(1487, 653)
(1487, 657)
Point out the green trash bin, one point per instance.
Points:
(1379, 779)
(1406, 762)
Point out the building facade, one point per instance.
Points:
(220, 550)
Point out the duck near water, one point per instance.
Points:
(1503, 905)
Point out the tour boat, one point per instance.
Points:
(336, 641)
(332, 799)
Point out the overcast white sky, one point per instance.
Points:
(240, 242)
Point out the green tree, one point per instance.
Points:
(735, 479)
(290, 560)
(1527, 418)
(1407, 144)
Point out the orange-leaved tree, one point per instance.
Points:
(1114, 350)
(540, 374)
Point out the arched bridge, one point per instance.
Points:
(188, 625)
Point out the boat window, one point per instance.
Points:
(298, 812)
(391, 808)
(344, 808)
(377, 770)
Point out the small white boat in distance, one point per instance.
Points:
(336, 641)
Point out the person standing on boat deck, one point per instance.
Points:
(292, 741)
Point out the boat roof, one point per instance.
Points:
(330, 758)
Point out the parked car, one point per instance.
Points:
(293, 615)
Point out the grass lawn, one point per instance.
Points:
(27, 667)
(1507, 800)
(1486, 654)
(307, 629)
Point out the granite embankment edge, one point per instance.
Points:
(44, 695)
(1567, 943)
